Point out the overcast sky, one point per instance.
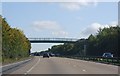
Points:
(60, 19)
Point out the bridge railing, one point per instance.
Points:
(53, 39)
(106, 60)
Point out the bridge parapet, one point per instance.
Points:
(52, 40)
(56, 39)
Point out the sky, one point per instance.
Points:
(59, 19)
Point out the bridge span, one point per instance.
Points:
(52, 40)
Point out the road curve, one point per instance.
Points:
(56, 65)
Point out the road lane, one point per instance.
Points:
(55, 65)
(24, 68)
(9, 67)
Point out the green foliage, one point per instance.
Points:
(106, 40)
(14, 43)
(64, 49)
(0, 38)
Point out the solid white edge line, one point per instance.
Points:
(32, 67)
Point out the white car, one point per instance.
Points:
(107, 55)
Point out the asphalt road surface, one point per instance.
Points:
(56, 65)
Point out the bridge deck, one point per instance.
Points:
(52, 40)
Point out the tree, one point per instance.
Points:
(15, 44)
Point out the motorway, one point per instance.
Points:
(56, 65)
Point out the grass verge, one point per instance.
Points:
(9, 61)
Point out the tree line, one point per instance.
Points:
(15, 44)
(0, 39)
(106, 40)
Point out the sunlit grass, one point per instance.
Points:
(0, 59)
(9, 61)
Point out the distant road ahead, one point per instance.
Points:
(56, 65)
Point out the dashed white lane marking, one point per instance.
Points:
(84, 70)
(32, 67)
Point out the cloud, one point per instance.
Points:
(46, 25)
(51, 26)
(58, 0)
(60, 33)
(114, 23)
(71, 6)
(78, 5)
(94, 27)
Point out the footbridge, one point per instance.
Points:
(52, 40)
